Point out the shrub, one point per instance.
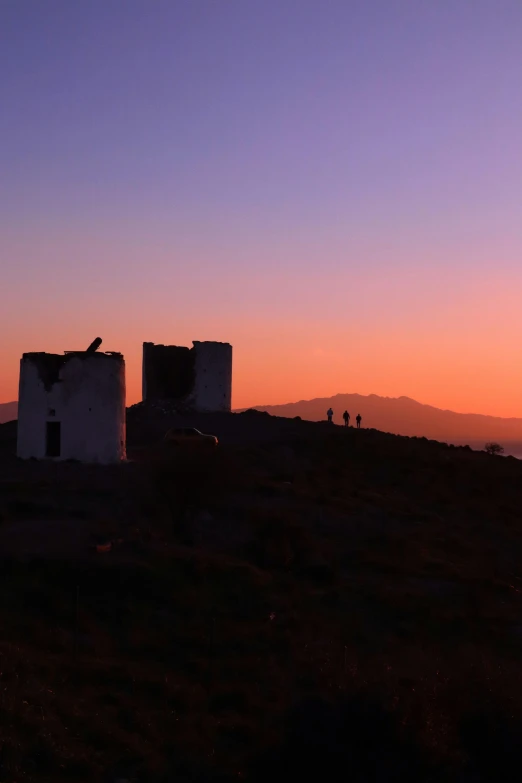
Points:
(493, 448)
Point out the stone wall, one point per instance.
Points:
(199, 377)
(72, 406)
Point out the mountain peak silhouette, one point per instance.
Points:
(405, 416)
(8, 411)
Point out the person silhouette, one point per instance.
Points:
(329, 413)
(358, 420)
(346, 417)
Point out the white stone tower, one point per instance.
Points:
(72, 406)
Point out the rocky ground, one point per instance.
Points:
(307, 601)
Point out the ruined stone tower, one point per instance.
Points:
(199, 377)
(72, 406)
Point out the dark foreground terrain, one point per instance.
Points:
(310, 602)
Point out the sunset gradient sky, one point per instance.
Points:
(333, 186)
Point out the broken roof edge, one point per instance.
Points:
(194, 343)
(210, 342)
(72, 354)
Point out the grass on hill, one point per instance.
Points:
(343, 604)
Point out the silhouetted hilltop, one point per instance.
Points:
(304, 597)
(397, 415)
(404, 416)
(8, 411)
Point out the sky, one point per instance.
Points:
(333, 187)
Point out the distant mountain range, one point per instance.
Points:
(404, 416)
(8, 411)
(399, 415)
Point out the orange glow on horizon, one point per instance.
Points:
(436, 334)
(474, 372)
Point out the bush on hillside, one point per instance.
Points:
(493, 448)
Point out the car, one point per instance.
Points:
(190, 437)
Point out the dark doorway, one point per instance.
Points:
(53, 439)
(169, 371)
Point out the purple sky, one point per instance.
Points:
(197, 169)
